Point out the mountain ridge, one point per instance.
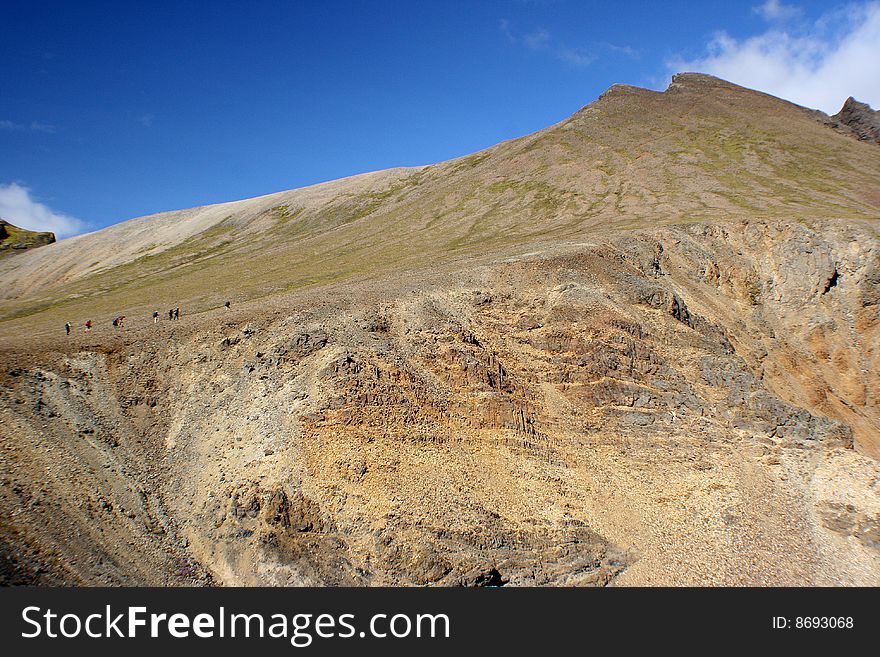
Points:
(701, 158)
(638, 347)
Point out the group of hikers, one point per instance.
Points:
(119, 321)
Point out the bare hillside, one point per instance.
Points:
(641, 346)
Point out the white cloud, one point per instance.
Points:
(35, 126)
(42, 127)
(817, 65)
(537, 39)
(504, 26)
(774, 10)
(19, 209)
(542, 41)
(576, 56)
(629, 51)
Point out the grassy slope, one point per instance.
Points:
(703, 150)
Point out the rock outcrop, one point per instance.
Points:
(860, 119)
(14, 239)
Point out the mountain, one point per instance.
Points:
(15, 240)
(860, 119)
(701, 151)
(640, 346)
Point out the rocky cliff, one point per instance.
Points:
(860, 119)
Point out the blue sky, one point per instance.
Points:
(111, 110)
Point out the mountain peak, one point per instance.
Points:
(680, 82)
(861, 120)
(699, 83)
(688, 79)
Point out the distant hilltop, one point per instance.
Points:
(14, 239)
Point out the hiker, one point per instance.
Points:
(121, 320)
(89, 325)
(67, 328)
(171, 313)
(177, 313)
(115, 322)
(226, 305)
(155, 317)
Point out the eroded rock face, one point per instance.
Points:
(860, 119)
(677, 406)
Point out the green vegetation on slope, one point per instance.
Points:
(631, 160)
(14, 239)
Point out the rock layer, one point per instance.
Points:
(675, 406)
